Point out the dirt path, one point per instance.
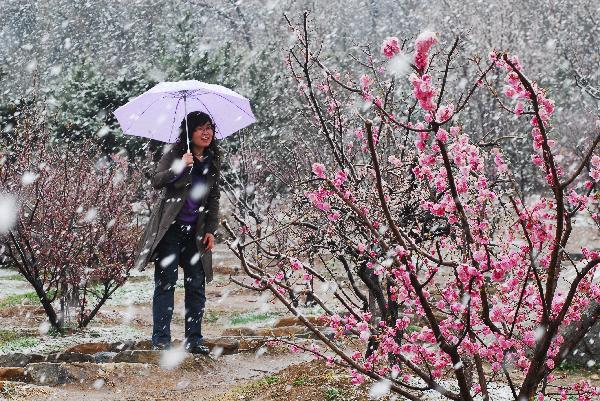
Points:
(150, 382)
(128, 316)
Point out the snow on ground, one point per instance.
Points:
(12, 284)
(50, 343)
(497, 391)
(133, 292)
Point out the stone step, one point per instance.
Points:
(295, 321)
(52, 373)
(12, 374)
(19, 359)
(286, 331)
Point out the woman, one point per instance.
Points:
(181, 229)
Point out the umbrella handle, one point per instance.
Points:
(187, 134)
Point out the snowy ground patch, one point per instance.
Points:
(50, 343)
(12, 283)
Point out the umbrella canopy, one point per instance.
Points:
(157, 113)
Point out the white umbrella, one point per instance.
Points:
(157, 113)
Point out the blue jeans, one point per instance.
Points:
(178, 246)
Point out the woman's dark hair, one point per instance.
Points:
(196, 119)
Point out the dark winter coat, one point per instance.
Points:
(170, 203)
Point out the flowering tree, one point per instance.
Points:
(73, 232)
(411, 234)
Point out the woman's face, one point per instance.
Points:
(202, 135)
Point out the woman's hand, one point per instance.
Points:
(188, 159)
(209, 241)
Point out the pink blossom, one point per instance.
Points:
(548, 105)
(515, 60)
(590, 254)
(519, 108)
(317, 198)
(402, 323)
(340, 178)
(537, 160)
(365, 333)
(365, 82)
(441, 135)
(498, 274)
(295, 264)
(390, 47)
(333, 216)
(529, 338)
(423, 44)
(499, 161)
(423, 91)
(427, 160)
(509, 91)
(357, 378)
(319, 170)
(401, 252)
(444, 113)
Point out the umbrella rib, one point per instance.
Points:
(142, 113)
(199, 92)
(223, 97)
(173, 123)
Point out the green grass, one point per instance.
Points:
(138, 279)
(29, 298)
(332, 393)
(14, 341)
(300, 381)
(243, 392)
(271, 379)
(15, 277)
(211, 316)
(252, 317)
(9, 390)
(7, 336)
(567, 367)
